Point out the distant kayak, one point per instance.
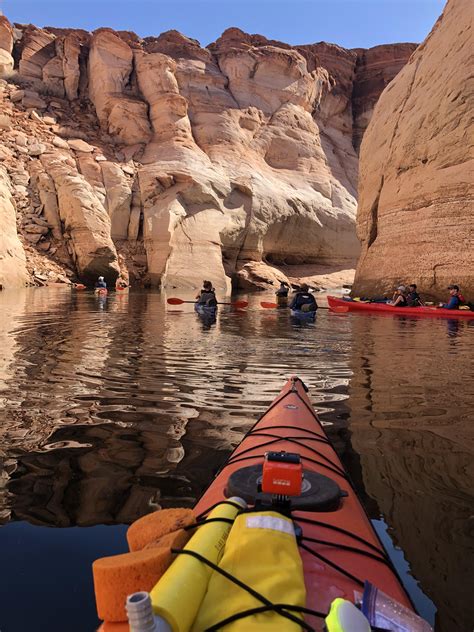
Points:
(205, 310)
(298, 313)
(374, 308)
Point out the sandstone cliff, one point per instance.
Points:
(12, 256)
(169, 162)
(415, 217)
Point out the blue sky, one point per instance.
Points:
(350, 23)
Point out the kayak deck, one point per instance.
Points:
(339, 548)
(205, 309)
(298, 313)
(359, 306)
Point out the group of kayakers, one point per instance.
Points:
(101, 284)
(303, 300)
(408, 297)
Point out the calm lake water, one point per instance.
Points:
(110, 406)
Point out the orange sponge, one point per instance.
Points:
(174, 540)
(153, 526)
(120, 575)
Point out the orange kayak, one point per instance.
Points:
(339, 304)
(339, 547)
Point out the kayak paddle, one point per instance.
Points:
(179, 301)
(340, 308)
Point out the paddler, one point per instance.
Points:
(101, 284)
(282, 294)
(120, 283)
(207, 296)
(303, 300)
(413, 298)
(454, 298)
(399, 298)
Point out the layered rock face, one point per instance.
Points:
(6, 47)
(375, 68)
(171, 163)
(12, 256)
(415, 217)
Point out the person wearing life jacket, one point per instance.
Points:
(454, 298)
(303, 300)
(461, 298)
(282, 294)
(101, 284)
(399, 298)
(120, 284)
(207, 296)
(413, 298)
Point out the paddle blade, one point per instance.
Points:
(175, 301)
(240, 304)
(268, 305)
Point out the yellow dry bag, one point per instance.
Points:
(261, 551)
(178, 594)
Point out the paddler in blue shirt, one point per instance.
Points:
(454, 300)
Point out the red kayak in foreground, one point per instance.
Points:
(339, 548)
(377, 308)
(302, 546)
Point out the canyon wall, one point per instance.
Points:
(167, 162)
(12, 256)
(415, 216)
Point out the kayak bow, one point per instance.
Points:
(339, 547)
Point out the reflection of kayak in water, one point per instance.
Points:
(102, 291)
(298, 313)
(205, 310)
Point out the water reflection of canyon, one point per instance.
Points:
(114, 406)
(411, 399)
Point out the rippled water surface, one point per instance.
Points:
(110, 406)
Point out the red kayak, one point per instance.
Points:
(339, 548)
(376, 308)
(341, 555)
